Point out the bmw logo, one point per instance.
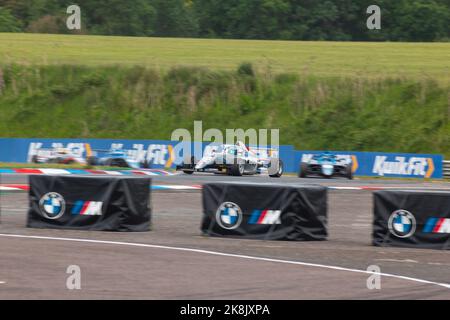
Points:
(402, 224)
(52, 205)
(229, 215)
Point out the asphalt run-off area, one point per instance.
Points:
(175, 261)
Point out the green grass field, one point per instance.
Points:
(342, 59)
(321, 95)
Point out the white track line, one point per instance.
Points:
(54, 171)
(177, 187)
(445, 285)
(10, 189)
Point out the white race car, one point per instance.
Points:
(235, 160)
(58, 156)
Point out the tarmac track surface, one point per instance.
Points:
(33, 262)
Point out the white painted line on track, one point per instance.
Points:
(178, 187)
(54, 171)
(113, 173)
(344, 188)
(230, 255)
(9, 189)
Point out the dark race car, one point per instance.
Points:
(326, 165)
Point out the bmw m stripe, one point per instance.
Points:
(87, 208)
(437, 225)
(265, 217)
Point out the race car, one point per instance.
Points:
(235, 160)
(115, 158)
(57, 155)
(326, 165)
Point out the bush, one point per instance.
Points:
(246, 69)
(47, 24)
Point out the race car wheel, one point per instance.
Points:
(237, 169)
(92, 161)
(34, 159)
(350, 172)
(145, 164)
(120, 163)
(189, 168)
(303, 170)
(279, 171)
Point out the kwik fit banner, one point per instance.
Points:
(395, 165)
(269, 212)
(163, 154)
(419, 219)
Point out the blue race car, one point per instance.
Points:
(326, 165)
(116, 158)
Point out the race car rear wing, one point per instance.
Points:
(265, 152)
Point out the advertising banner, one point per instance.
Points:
(393, 165)
(419, 219)
(89, 203)
(161, 154)
(269, 212)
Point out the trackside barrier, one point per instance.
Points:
(392, 165)
(419, 219)
(166, 154)
(89, 203)
(267, 212)
(446, 170)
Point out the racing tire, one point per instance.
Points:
(350, 172)
(303, 170)
(92, 161)
(237, 170)
(279, 171)
(57, 161)
(119, 163)
(145, 164)
(34, 159)
(191, 167)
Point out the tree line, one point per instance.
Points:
(338, 20)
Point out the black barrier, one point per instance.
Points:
(89, 203)
(270, 212)
(419, 219)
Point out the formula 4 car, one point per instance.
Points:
(235, 160)
(326, 165)
(57, 155)
(115, 158)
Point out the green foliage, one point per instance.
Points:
(411, 20)
(174, 18)
(424, 21)
(246, 69)
(118, 17)
(356, 113)
(339, 20)
(8, 23)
